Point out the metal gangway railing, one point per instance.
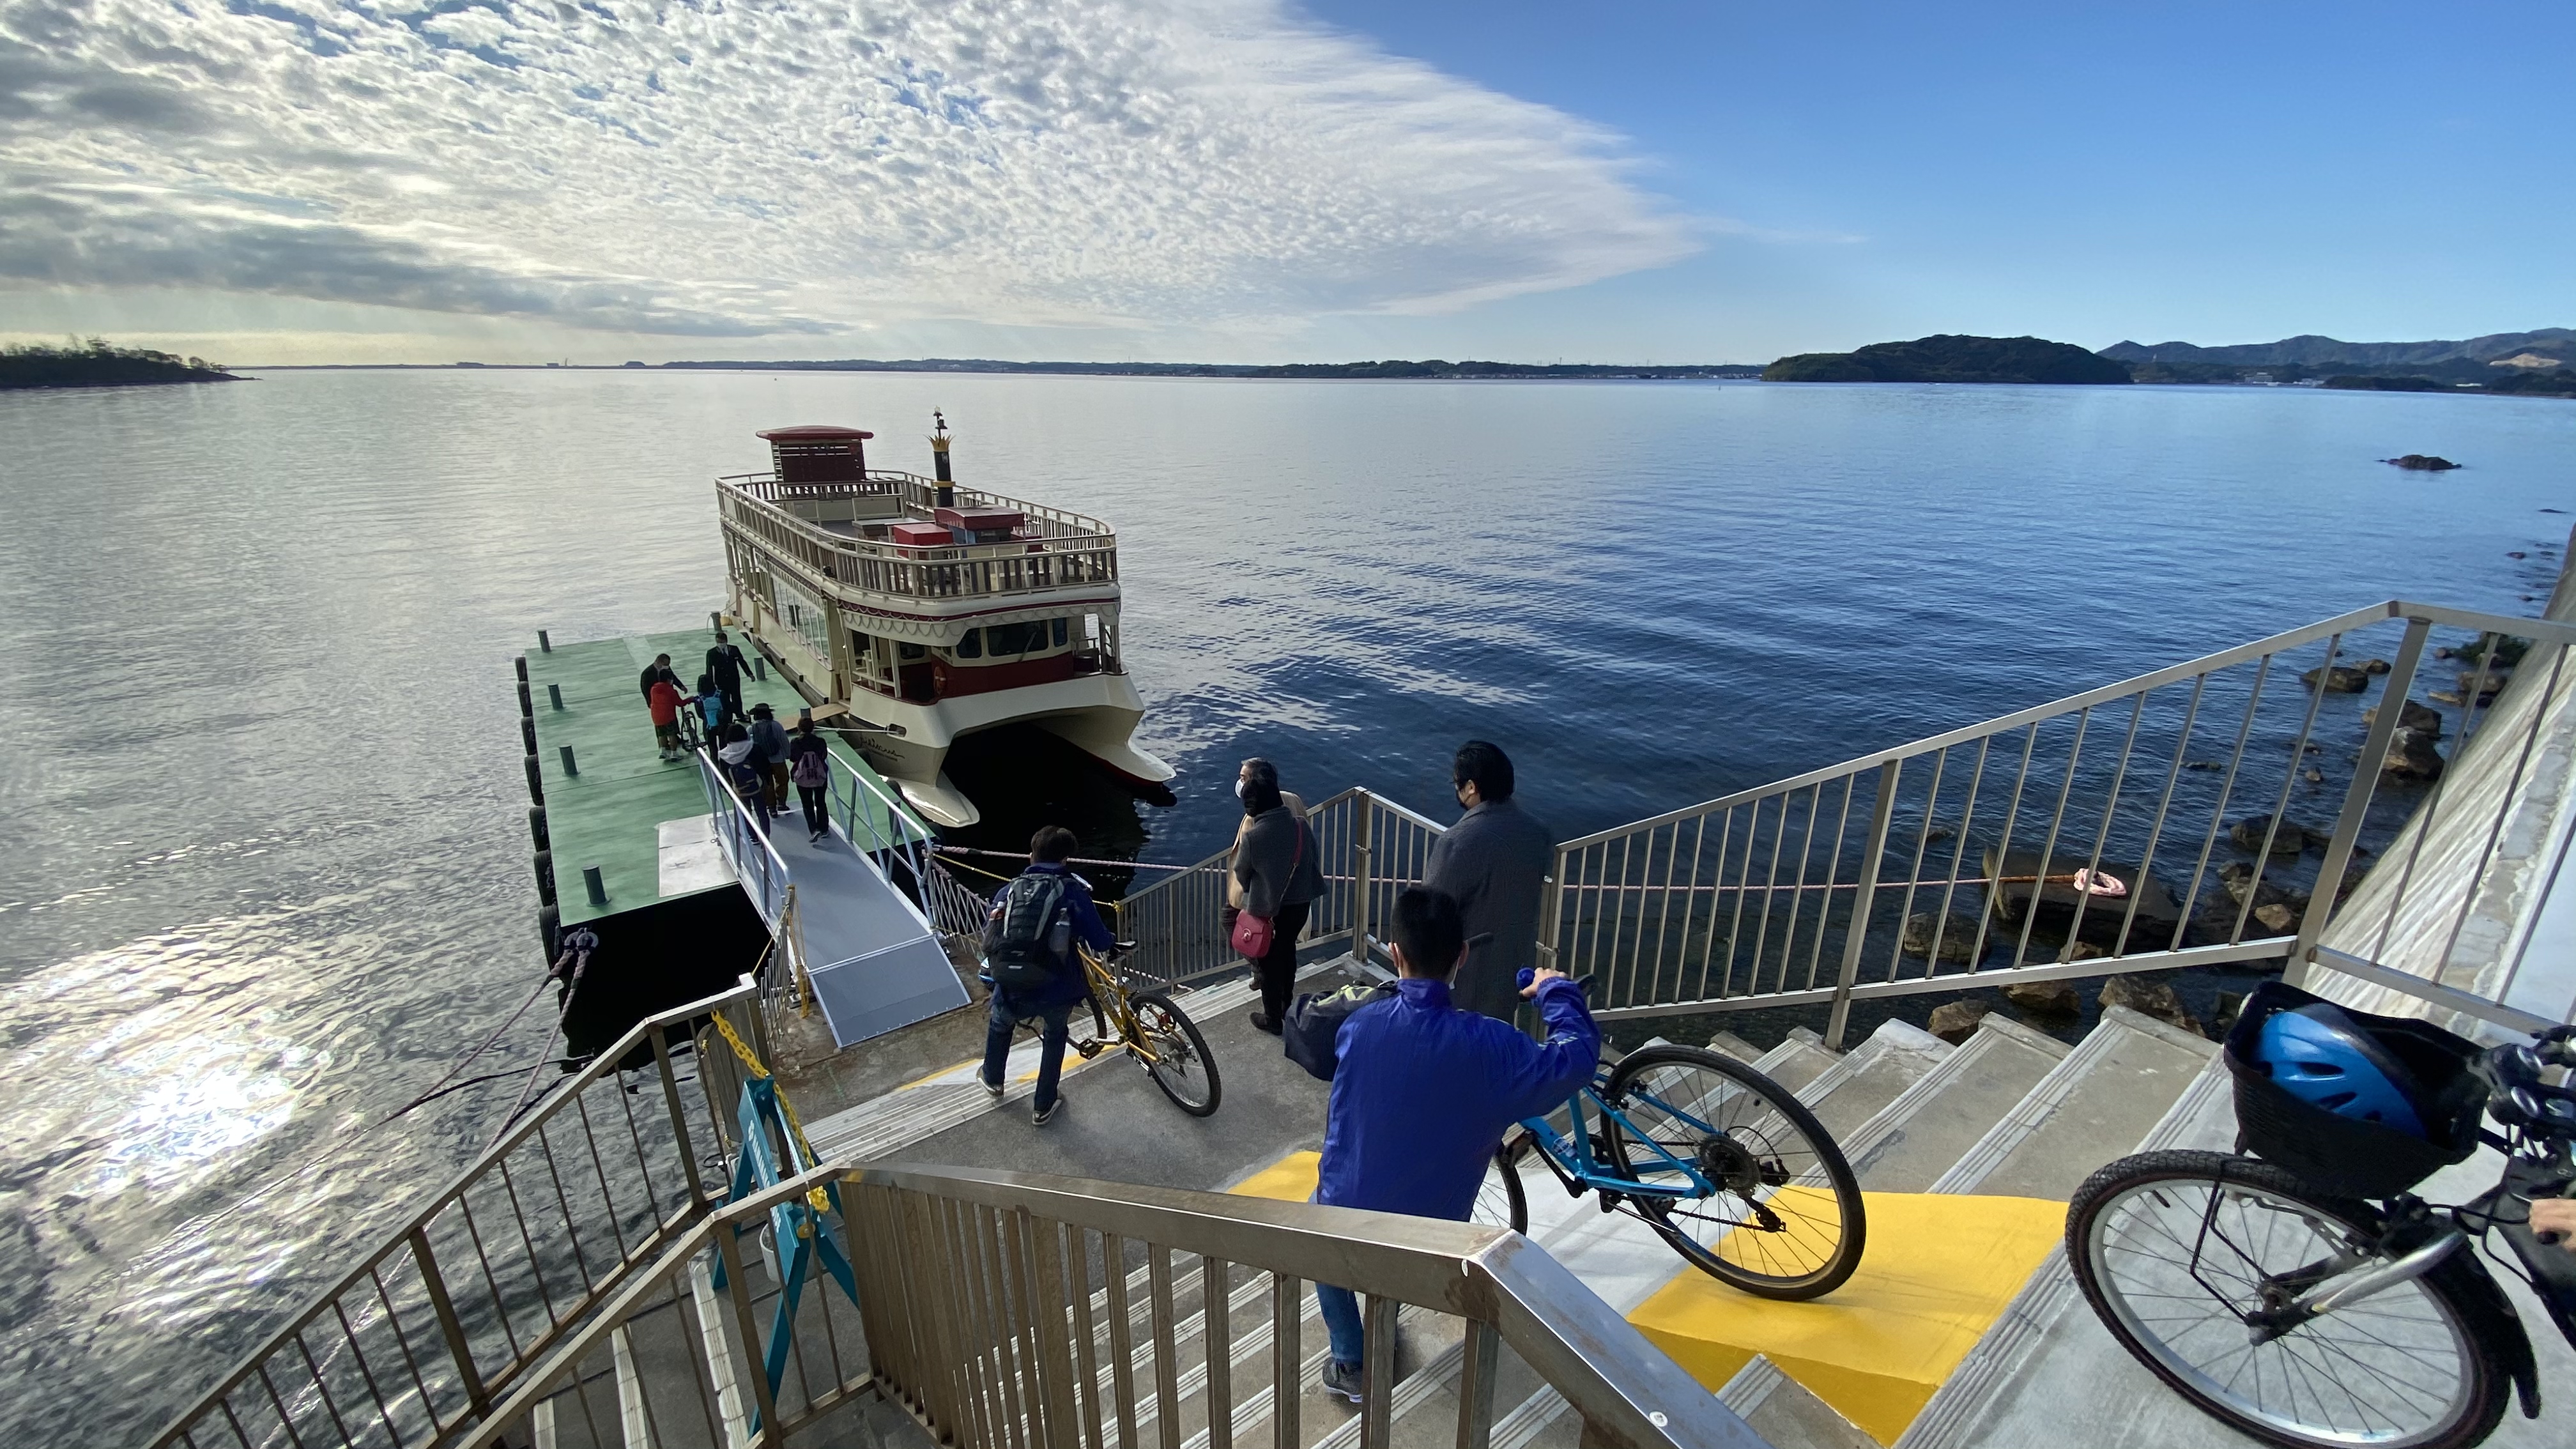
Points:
(1008, 1310)
(606, 1176)
(2235, 803)
(783, 973)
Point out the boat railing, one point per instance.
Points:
(2242, 807)
(1004, 1309)
(414, 1346)
(830, 562)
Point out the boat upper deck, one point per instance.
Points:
(621, 803)
(914, 539)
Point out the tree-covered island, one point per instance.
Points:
(99, 363)
(1950, 357)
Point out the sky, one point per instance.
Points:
(288, 181)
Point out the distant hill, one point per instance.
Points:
(2553, 344)
(1953, 358)
(96, 363)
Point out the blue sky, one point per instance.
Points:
(1253, 180)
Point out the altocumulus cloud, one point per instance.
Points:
(789, 165)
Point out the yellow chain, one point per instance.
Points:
(815, 1195)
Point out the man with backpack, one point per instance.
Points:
(1028, 952)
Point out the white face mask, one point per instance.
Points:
(1238, 789)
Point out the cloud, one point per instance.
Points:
(778, 166)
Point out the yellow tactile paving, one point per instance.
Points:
(1939, 1270)
(1290, 1179)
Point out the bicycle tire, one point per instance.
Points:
(1501, 1201)
(1167, 1067)
(2175, 1274)
(1758, 1163)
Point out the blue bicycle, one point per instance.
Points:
(1723, 1163)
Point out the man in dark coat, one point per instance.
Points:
(1494, 863)
(726, 666)
(658, 672)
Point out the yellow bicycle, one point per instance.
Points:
(1150, 1028)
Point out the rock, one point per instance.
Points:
(2442, 696)
(2315, 776)
(2231, 1005)
(1958, 935)
(2204, 765)
(2422, 718)
(1955, 1021)
(2288, 839)
(2336, 679)
(2044, 998)
(1938, 832)
(2376, 666)
(2239, 878)
(2086, 951)
(2517, 553)
(2147, 998)
(2481, 686)
(2277, 917)
(2411, 756)
(2422, 463)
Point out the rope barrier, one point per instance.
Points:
(815, 1196)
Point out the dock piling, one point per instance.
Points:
(715, 619)
(554, 695)
(592, 886)
(570, 769)
(544, 644)
(760, 667)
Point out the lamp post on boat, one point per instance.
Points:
(939, 459)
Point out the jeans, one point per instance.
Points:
(818, 816)
(1341, 1309)
(1051, 1033)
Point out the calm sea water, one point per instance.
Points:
(265, 858)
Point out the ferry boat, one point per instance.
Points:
(918, 611)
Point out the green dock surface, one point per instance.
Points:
(610, 814)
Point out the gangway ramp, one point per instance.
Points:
(834, 906)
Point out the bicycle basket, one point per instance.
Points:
(2344, 1155)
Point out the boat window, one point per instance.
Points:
(1058, 625)
(909, 651)
(1025, 638)
(970, 645)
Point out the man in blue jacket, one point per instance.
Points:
(1423, 1092)
(1050, 1005)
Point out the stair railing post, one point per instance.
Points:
(1551, 910)
(2356, 800)
(1864, 894)
(1363, 843)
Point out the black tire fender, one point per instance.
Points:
(2500, 1327)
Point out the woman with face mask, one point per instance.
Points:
(1275, 877)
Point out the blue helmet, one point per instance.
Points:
(2316, 1054)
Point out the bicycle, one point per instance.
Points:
(1726, 1165)
(2306, 1316)
(1150, 1028)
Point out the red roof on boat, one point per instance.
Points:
(811, 433)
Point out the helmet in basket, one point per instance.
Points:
(2320, 1056)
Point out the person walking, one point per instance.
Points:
(1028, 950)
(710, 704)
(809, 768)
(1275, 877)
(663, 701)
(738, 756)
(1423, 1092)
(769, 746)
(1494, 863)
(726, 667)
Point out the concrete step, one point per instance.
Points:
(1785, 1414)
(1923, 1129)
(1858, 1084)
(1734, 1046)
(2093, 1107)
(1800, 1058)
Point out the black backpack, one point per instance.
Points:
(1028, 936)
(1314, 1025)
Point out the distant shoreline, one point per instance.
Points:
(1393, 371)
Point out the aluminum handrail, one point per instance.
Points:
(409, 1337)
(975, 1295)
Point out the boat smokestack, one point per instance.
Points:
(939, 459)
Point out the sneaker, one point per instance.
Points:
(1342, 1381)
(1047, 1113)
(1261, 1022)
(991, 1089)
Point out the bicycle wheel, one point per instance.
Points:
(1180, 1063)
(1784, 1219)
(1500, 1200)
(2175, 1251)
